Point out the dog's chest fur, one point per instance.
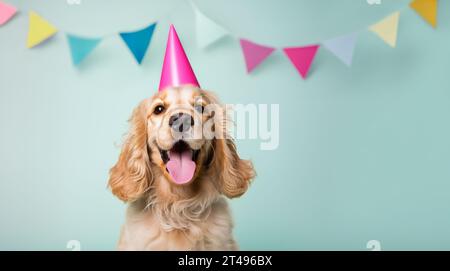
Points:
(144, 230)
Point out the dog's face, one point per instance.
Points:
(175, 128)
(178, 143)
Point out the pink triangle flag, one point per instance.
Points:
(6, 12)
(254, 53)
(302, 57)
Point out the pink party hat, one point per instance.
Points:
(176, 69)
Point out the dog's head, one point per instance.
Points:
(178, 147)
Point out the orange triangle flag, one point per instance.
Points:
(427, 9)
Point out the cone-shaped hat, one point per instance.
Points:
(176, 70)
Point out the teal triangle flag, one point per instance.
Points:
(80, 48)
(139, 41)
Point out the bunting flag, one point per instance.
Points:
(427, 9)
(302, 57)
(254, 53)
(39, 30)
(386, 29)
(6, 12)
(342, 47)
(207, 31)
(80, 48)
(138, 41)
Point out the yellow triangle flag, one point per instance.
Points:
(39, 30)
(386, 29)
(427, 9)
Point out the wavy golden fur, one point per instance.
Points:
(163, 215)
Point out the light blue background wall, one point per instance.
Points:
(364, 152)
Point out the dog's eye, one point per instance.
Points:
(200, 108)
(159, 109)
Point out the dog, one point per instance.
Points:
(176, 183)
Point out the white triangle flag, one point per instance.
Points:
(207, 31)
(342, 47)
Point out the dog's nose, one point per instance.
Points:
(181, 122)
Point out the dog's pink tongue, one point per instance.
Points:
(180, 166)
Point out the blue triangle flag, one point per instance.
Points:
(342, 47)
(138, 41)
(80, 48)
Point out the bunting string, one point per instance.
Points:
(209, 32)
(302, 57)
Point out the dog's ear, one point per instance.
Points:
(131, 176)
(233, 173)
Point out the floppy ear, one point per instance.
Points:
(234, 174)
(131, 176)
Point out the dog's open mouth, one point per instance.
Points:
(180, 162)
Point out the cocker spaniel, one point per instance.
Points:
(174, 175)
